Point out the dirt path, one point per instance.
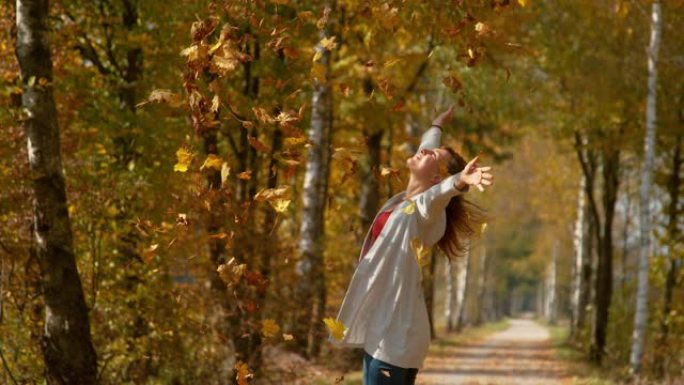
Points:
(520, 355)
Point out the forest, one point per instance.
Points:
(186, 186)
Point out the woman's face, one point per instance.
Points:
(426, 164)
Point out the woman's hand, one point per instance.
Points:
(475, 176)
(444, 117)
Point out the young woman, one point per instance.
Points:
(384, 309)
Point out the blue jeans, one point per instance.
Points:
(376, 372)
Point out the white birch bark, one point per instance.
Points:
(550, 289)
(641, 315)
(463, 266)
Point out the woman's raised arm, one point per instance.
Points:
(432, 136)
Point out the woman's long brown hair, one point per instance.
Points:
(464, 218)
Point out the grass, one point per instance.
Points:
(582, 371)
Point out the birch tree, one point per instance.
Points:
(66, 342)
(641, 314)
(310, 290)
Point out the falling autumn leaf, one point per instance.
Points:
(184, 157)
(231, 272)
(420, 252)
(271, 194)
(280, 205)
(242, 373)
(213, 161)
(245, 175)
(329, 43)
(336, 328)
(523, 3)
(254, 142)
(150, 252)
(269, 328)
(288, 337)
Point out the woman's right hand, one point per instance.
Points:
(475, 176)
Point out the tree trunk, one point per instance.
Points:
(449, 302)
(582, 266)
(550, 304)
(463, 264)
(66, 343)
(370, 189)
(641, 314)
(674, 237)
(604, 271)
(482, 286)
(310, 290)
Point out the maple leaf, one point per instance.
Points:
(184, 158)
(336, 328)
(280, 205)
(269, 328)
(242, 373)
(254, 142)
(231, 272)
(271, 194)
(420, 251)
(329, 43)
(212, 161)
(163, 96)
(411, 208)
(452, 82)
(150, 252)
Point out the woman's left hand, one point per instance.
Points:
(476, 176)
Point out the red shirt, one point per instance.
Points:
(378, 225)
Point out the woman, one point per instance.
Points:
(384, 308)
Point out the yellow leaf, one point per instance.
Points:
(184, 158)
(317, 56)
(385, 171)
(149, 253)
(411, 208)
(293, 141)
(523, 3)
(269, 328)
(212, 161)
(271, 193)
(242, 373)
(336, 328)
(231, 272)
(329, 43)
(245, 175)
(225, 171)
(280, 205)
(391, 62)
(288, 337)
(484, 227)
(420, 251)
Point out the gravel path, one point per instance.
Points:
(520, 355)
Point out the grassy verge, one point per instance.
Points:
(582, 371)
